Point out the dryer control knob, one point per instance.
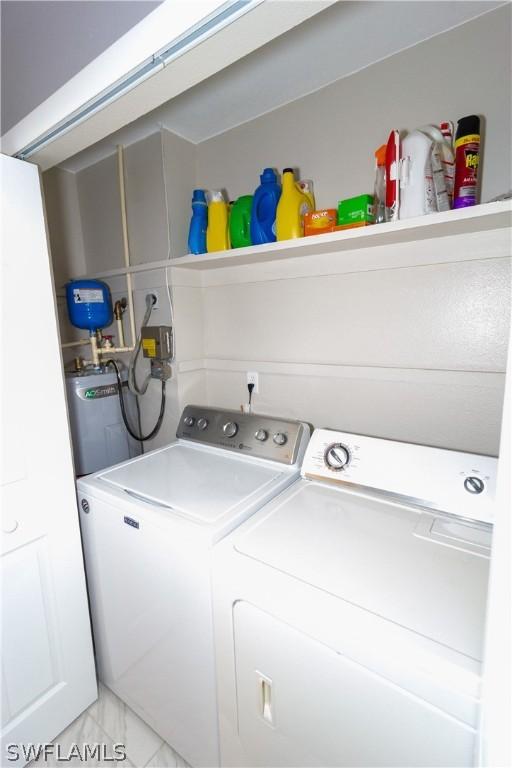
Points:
(280, 438)
(189, 421)
(230, 428)
(337, 457)
(261, 435)
(202, 423)
(474, 484)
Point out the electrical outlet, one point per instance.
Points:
(156, 305)
(253, 378)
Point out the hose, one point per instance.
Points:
(156, 428)
(132, 382)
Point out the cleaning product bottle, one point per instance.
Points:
(217, 233)
(393, 166)
(467, 157)
(417, 194)
(448, 157)
(240, 222)
(443, 166)
(306, 187)
(379, 194)
(264, 205)
(291, 208)
(198, 222)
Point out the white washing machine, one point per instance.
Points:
(349, 611)
(148, 526)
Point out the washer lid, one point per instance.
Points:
(376, 555)
(199, 483)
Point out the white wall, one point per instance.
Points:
(331, 134)
(159, 177)
(179, 158)
(98, 195)
(146, 207)
(63, 217)
(83, 211)
(412, 353)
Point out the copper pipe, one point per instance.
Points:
(119, 308)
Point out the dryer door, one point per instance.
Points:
(302, 704)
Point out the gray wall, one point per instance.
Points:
(159, 177)
(179, 169)
(63, 216)
(331, 134)
(412, 353)
(45, 43)
(98, 195)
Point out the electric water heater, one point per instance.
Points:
(99, 435)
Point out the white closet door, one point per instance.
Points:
(48, 675)
(496, 741)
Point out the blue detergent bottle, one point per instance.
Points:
(198, 222)
(264, 205)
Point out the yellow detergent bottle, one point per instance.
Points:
(292, 206)
(217, 232)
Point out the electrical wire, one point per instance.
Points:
(169, 255)
(250, 387)
(139, 422)
(154, 431)
(171, 309)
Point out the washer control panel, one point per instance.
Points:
(265, 437)
(459, 483)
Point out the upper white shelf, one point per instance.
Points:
(479, 218)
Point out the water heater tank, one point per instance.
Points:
(89, 304)
(99, 436)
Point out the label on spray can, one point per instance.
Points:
(467, 157)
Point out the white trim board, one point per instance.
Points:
(492, 379)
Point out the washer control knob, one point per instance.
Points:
(202, 423)
(230, 428)
(337, 457)
(261, 435)
(9, 525)
(474, 484)
(280, 438)
(189, 421)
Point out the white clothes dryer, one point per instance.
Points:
(148, 526)
(350, 610)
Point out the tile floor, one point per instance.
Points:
(110, 721)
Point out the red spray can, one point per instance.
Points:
(467, 159)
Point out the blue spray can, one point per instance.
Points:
(198, 222)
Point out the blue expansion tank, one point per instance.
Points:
(89, 304)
